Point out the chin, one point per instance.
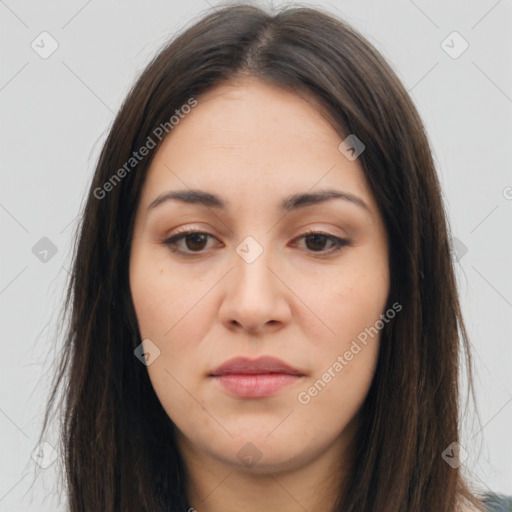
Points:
(256, 452)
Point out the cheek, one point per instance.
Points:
(173, 312)
(344, 372)
(351, 307)
(345, 303)
(168, 307)
(331, 403)
(164, 300)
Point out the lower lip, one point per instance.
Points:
(255, 385)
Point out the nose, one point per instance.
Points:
(256, 300)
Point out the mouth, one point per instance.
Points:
(255, 378)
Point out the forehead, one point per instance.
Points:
(257, 140)
(250, 114)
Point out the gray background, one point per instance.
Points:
(55, 113)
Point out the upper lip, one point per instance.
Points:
(264, 364)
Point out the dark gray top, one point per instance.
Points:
(498, 502)
(494, 503)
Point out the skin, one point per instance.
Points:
(253, 145)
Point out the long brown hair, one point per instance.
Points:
(118, 442)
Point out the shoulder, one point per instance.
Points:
(497, 502)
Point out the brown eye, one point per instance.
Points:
(194, 242)
(317, 242)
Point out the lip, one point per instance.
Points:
(261, 365)
(255, 378)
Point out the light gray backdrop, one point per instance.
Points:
(67, 65)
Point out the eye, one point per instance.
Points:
(316, 241)
(196, 241)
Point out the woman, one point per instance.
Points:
(264, 314)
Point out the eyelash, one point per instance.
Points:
(171, 242)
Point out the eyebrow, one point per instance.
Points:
(292, 202)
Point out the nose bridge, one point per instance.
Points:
(251, 264)
(255, 296)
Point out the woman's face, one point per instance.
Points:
(253, 282)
